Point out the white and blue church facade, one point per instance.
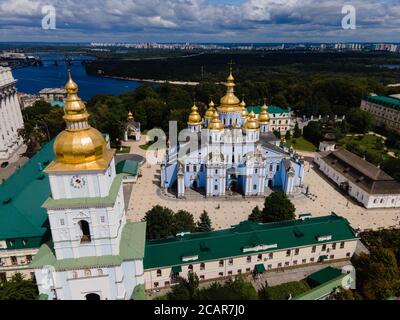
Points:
(237, 153)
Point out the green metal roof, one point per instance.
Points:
(51, 203)
(231, 242)
(21, 197)
(324, 275)
(325, 289)
(128, 166)
(271, 109)
(260, 268)
(131, 248)
(384, 101)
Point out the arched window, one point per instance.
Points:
(88, 273)
(190, 267)
(85, 231)
(159, 273)
(202, 266)
(100, 272)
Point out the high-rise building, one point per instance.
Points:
(10, 116)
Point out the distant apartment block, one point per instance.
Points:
(385, 110)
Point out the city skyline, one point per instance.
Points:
(200, 21)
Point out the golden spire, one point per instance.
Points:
(263, 117)
(130, 116)
(79, 147)
(216, 123)
(194, 117)
(252, 123)
(210, 111)
(229, 102)
(243, 108)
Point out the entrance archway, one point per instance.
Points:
(85, 231)
(92, 296)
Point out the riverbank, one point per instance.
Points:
(181, 83)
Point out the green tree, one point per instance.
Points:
(18, 289)
(186, 289)
(184, 221)
(392, 167)
(297, 131)
(377, 274)
(278, 207)
(288, 136)
(360, 121)
(204, 223)
(233, 289)
(160, 223)
(313, 132)
(256, 215)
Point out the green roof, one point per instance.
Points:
(324, 289)
(324, 275)
(384, 101)
(131, 248)
(260, 268)
(51, 203)
(128, 166)
(238, 240)
(271, 109)
(21, 198)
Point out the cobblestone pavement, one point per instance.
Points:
(324, 198)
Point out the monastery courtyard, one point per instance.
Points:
(323, 199)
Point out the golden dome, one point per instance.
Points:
(263, 117)
(252, 123)
(194, 117)
(210, 111)
(130, 116)
(243, 108)
(79, 146)
(216, 123)
(229, 102)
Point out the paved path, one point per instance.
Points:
(324, 199)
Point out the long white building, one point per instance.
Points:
(10, 116)
(363, 181)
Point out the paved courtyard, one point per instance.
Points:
(324, 198)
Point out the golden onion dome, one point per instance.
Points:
(194, 117)
(130, 116)
(210, 111)
(216, 123)
(244, 109)
(252, 123)
(229, 102)
(264, 117)
(79, 146)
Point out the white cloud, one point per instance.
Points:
(252, 20)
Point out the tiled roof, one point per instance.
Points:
(231, 242)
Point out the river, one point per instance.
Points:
(33, 79)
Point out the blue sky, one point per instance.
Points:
(200, 20)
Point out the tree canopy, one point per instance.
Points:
(18, 288)
(278, 207)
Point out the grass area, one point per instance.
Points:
(301, 144)
(283, 291)
(368, 145)
(145, 146)
(123, 150)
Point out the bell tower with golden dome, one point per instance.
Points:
(87, 216)
(82, 177)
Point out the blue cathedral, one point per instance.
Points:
(236, 153)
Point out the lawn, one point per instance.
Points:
(123, 150)
(301, 144)
(370, 146)
(145, 146)
(285, 290)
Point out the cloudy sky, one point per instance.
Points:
(200, 20)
